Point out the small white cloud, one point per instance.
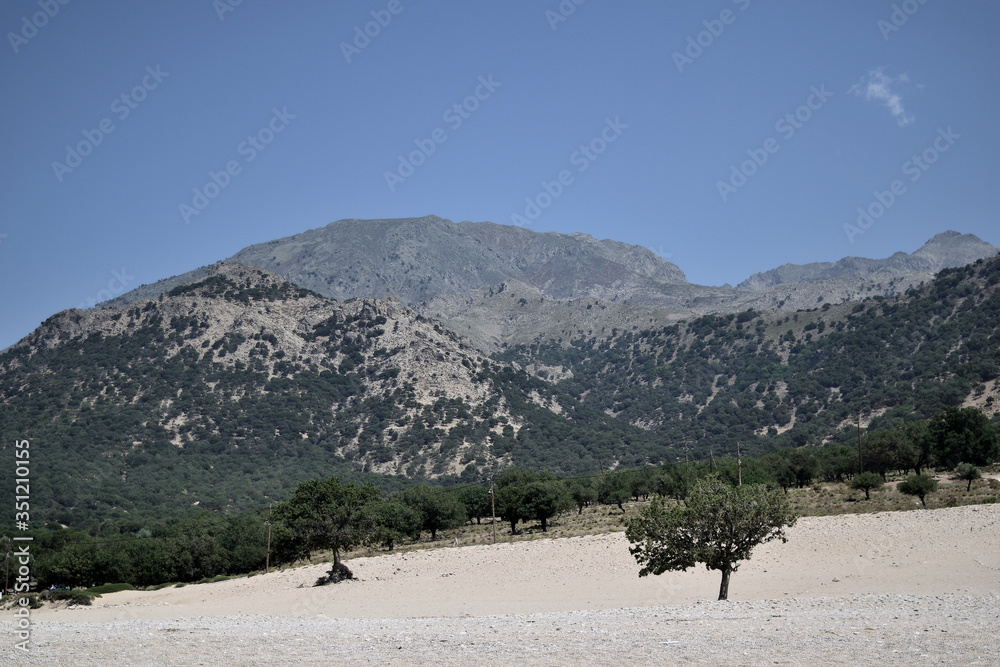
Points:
(880, 87)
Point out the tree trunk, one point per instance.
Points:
(867, 497)
(922, 501)
(543, 525)
(724, 588)
(969, 487)
(434, 534)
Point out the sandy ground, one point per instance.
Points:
(889, 563)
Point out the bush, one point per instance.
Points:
(867, 481)
(969, 473)
(919, 485)
(97, 591)
(75, 596)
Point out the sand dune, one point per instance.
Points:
(946, 554)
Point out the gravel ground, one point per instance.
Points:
(868, 629)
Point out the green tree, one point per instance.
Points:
(719, 525)
(613, 489)
(476, 500)
(328, 514)
(867, 481)
(888, 450)
(919, 437)
(582, 493)
(964, 435)
(394, 521)
(803, 465)
(509, 505)
(543, 500)
(919, 485)
(969, 473)
(438, 508)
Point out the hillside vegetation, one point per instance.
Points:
(226, 392)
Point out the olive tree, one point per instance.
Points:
(867, 481)
(718, 525)
(920, 486)
(969, 473)
(438, 508)
(543, 500)
(328, 514)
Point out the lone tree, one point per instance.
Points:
(969, 473)
(718, 525)
(867, 481)
(328, 514)
(919, 485)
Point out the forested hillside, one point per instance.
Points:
(226, 392)
(772, 380)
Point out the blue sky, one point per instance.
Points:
(731, 136)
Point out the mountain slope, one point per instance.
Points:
(773, 379)
(416, 259)
(944, 251)
(453, 272)
(227, 391)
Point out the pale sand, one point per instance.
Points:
(850, 564)
(926, 552)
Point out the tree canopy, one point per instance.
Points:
(328, 514)
(718, 525)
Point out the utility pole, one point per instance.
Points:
(861, 468)
(267, 559)
(685, 443)
(739, 463)
(493, 509)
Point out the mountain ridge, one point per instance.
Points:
(946, 250)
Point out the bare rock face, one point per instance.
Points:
(467, 275)
(945, 251)
(418, 258)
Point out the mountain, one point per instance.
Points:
(228, 388)
(416, 259)
(775, 379)
(944, 251)
(454, 272)
(227, 391)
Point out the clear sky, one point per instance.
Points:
(730, 136)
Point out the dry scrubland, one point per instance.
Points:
(910, 587)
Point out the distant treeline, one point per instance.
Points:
(208, 544)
